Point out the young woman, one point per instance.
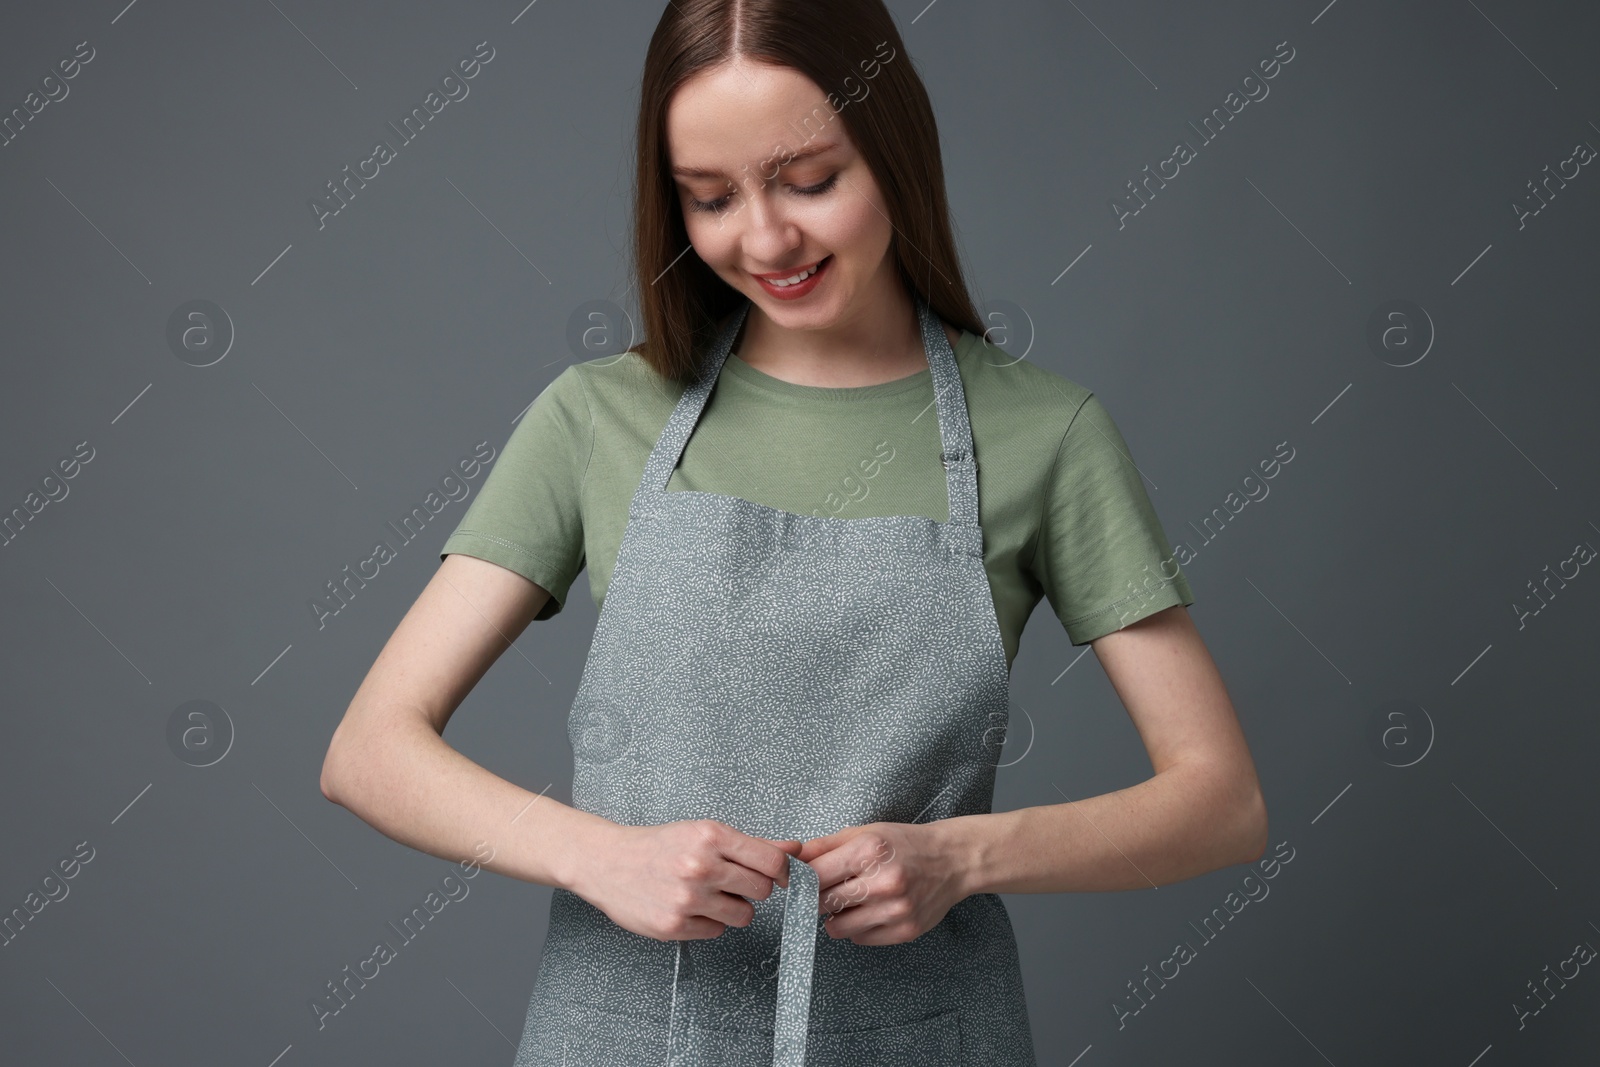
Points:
(817, 509)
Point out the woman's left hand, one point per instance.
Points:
(884, 882)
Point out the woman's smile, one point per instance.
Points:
(795, 284)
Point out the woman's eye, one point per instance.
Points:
(820, 187)
(720, 204)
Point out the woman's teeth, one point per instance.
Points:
(793, 279)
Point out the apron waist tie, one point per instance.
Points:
(796, 954)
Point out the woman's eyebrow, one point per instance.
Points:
(795, 157)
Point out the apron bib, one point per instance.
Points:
(788, 675)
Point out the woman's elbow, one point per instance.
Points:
(1252, 821)
(332, 765)
(327, 781)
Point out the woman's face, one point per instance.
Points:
(771, 184)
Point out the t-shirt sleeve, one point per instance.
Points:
(1103, 559)
(527, 516)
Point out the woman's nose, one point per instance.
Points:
(769, 234)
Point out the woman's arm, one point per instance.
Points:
(389, 765)
(885, 883)
(1202, 809)
(387, 762)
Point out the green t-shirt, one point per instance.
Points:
(1063, 510)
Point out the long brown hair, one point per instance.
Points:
(835, 43)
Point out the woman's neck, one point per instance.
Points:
(882, 348)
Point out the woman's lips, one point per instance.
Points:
(799, 289)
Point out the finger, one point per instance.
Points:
(843, 862)
(741, 881)
(758, 854)
(697, 928)
(828, 842)
(729, 909)
(790, 848)
(817, 846)
(864, 925)
(850, 893)
(704, 898)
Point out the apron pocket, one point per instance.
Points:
(934, 1041)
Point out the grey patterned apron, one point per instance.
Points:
(790, 676)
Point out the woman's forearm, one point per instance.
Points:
(1172, 826)
(408, 783)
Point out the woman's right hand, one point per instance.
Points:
(685, 880)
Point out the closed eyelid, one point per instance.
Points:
(718, 204)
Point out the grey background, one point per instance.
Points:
(1362, 614)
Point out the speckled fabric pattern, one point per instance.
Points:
(789, 675)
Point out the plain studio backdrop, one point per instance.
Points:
(225, 383)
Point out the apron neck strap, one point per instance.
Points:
(955, 428)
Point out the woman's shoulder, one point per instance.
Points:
(624, 376)
(621, 387)
(1000, 381)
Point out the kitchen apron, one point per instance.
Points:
(790, 676)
